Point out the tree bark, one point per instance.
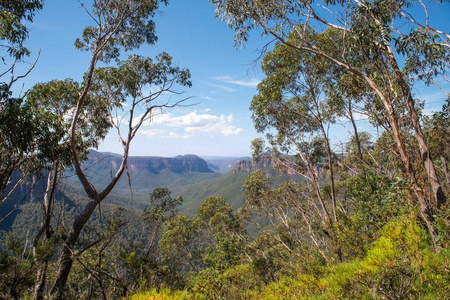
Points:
(66, 260)
(395, 132)
(39, 285)
(355, 129)
(428, 163)
(447, 174)
(49, 196)
(67, 256)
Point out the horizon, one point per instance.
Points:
(187, 154)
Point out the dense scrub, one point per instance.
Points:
(400, 264)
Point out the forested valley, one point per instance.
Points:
(299, 221)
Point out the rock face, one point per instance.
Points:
(152, 164)
(252, 165)
(266, 162)
(193, 163)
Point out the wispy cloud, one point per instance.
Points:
(253, 83)
(205, 97)
(222, 87)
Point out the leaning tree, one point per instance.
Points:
(120, 25)
(384, 32)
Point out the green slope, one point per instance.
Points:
(228, 185)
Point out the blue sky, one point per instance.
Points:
(224, 79)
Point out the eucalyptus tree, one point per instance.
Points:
(21, 127)
(437, 131)
(27, 136)
(208, 245)
(377, 31)
(291, 100)
(298, 231)
(57, 98)
(120, 25)
(142, 261)
(140, 81)
(182, 243)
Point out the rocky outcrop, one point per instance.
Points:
(253, 165)
(153, 164)
(266, 162)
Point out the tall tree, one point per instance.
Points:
(120, 25)
(57, 98)
(376, 30)
(290, 100)
(28, 135)
(129, 81)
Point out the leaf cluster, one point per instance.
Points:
(12, 27)
(120, 25)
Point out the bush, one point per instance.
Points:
(238, 282)
(398, 265)
(161, 295)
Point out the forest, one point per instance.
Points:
(371, 222)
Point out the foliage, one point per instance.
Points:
(161, 295)
(30, 138)
(24, 131)
(12, 28)
(123, 25)
(237, 282)
(142, 261)
(443, 225)
(110, 262)
(58, 97)
(16, 269)
(436, 129)
(372, 200)
(399, 264)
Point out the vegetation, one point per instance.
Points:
(373, 223)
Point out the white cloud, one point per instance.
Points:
(153, 132)
(160, 118)
(253, 83)
(188, 125)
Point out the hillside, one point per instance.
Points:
(229, 185)
(188, 176)
(223, 164)
(145, 174)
